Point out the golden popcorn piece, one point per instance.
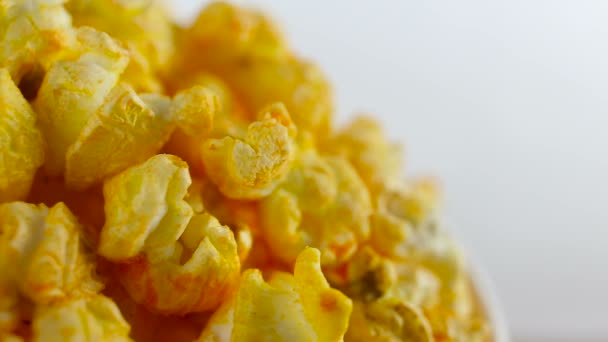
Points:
(33, 34)
(322, 203)
(21, 143)
(404, 217)
(194, 108)
(142, 25)
(388, 319)
(94, 318)
(298, 307)
(145, 208)
(170, 259)
(224, 116)
(123, 132)
(51, 263)
(246, 49)
(363, 143)
(80, 85)
(231, 32)
(252, 167)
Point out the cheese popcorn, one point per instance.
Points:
(404, 217)
(388, 320)
(124, 131)
(322, 203)
(52, 264)
(80, 85)
(21, 143)
(142, 25)
(161, 181)
(33, 34)
(252, 167)
(298, 307)
(87, 319)
(171, 259)
(250, 53)
(378, 161)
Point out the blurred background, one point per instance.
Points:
(506, 102)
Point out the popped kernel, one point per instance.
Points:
(124, 131)
(322, 203)
(388, 319)
(33, 34)
(95, 318)
(378, 161)
(142, 25)
(298, 307)
(405, 215)
(44, 243)
(80, 85)
(248, 51)
(171, 259)
(252, 167)
(21, 143)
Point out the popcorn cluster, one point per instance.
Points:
(187, 184)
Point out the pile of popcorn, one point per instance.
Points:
(162, 183)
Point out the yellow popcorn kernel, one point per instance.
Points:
(241, 216)
(73, 90)
(51, 263)
(21, 143)
(378, 161)
(402, 217)
(388, 319)
(95, 318)
(298, 307)
(224, 116)
(194, 108)
(143, 25)
(139, 73)
(33, 33)
(229, 33)
(144, 207)
(170, 259)
(297, 83)
(322, 203)
(252, 167)
(124, 131)
(245, 49)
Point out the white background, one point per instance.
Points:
(507, 102)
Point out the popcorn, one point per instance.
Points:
(80, 85)
(33, 33)
(201, 165)
(45, 246)
(171, 259)
(388, 320)
(362, 142)
(249, 52)
(21, 143)
(252, 167)
(322, 203)
(298, 307)
(124, 131)
(87, 319)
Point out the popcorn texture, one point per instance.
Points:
(160, 183)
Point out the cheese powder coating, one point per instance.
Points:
(160, 182)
